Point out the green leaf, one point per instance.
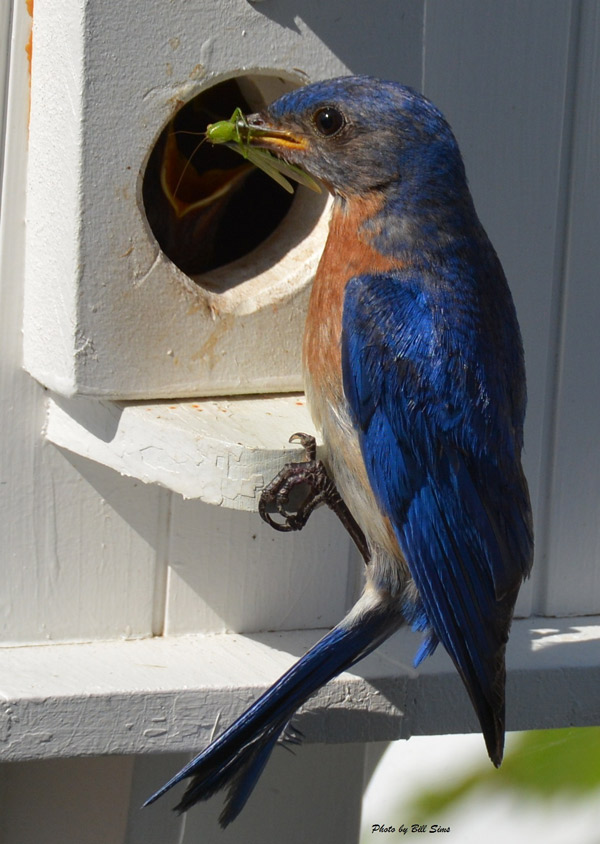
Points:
(541, 763)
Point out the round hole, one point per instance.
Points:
(205, 204)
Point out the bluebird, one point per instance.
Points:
(414, 375)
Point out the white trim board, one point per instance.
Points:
(174, 694)
(222, 451)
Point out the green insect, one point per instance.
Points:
(236, 134)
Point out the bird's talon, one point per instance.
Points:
(309, 444)
(312, 474)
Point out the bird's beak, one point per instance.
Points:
(264, 135)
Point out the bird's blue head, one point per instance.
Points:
(358, 134)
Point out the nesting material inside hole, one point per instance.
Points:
(205, 204)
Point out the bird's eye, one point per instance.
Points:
(328, 121)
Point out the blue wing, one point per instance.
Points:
(434, 378)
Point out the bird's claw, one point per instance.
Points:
(278, 495)
(308, 442)
(291, 735)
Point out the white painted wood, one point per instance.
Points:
(82, 549)
(573, 564)
(91, 557)
(313, 795)
(172, 694)
(223, 451)
(499, 73)
(236, 573)
(84, 801)
(106, 313)
(98, 801)
(5, 33)
(162, 826)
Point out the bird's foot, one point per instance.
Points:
(284, 495)
(290, 736)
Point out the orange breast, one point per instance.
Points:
(348, 252)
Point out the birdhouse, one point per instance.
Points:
(159, 266)
(177, 269)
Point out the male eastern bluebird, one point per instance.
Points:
(414, 375)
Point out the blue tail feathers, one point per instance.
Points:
(236, 759)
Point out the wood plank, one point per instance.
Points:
(314, 795)
(162, 826)
(62, 800)
(81, 547)
(499, 72)
(222, 451)
(573, 584)
(171, 694)
(231, 571)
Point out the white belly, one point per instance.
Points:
(344, 459)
